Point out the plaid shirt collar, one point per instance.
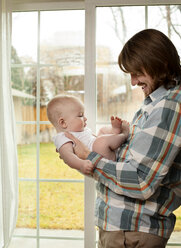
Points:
(157, 94)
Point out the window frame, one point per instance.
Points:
(90, 92)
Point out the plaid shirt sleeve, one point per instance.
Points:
(145, 160)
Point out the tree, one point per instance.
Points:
(16, 73)
(167, 13)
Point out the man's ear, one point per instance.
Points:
(62, 123)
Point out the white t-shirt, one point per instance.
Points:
(86, 137)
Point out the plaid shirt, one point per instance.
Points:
(142, 188)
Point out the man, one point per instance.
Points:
(136, 195)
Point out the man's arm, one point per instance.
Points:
(146, 159)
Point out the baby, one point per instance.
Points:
(66, 113)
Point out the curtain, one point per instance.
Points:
(8, 153)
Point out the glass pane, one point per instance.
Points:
(62, 38)
(51, 166)
(26, 138)
(24, 37)
(25, 231)
(115, 96)
(167, 20)
(61, 206)
(61, 44)
(61, 243)
(23, 242)
(24, 93)
(27, 206)
(55, 80)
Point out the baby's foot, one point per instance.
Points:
(125, 127)
(116, 125)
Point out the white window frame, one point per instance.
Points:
(90, 92)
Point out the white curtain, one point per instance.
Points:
(8, 153)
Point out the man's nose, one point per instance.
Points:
(134, 80)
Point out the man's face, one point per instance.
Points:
(144, 81)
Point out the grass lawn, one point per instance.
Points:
(61, 204)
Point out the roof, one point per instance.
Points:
(21, 94)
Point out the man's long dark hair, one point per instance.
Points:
(153, 52)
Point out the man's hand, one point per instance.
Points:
(79, 149)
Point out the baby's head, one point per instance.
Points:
(63, 112)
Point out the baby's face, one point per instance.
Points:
(74, 117)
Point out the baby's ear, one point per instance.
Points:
(62, 123)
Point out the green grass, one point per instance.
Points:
(61, 204)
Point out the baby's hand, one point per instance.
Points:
(87, 167)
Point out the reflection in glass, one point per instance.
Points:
(27, 205)
(26, 139)
(61, 205)
(24, 37)
(115, 95)
(23, 82)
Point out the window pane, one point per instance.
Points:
(167, 20)
(51, 166)
(61, 44)
(58, 80)
(62, 38)
(26, 138)
(24, 37)
(27, 206)
(25, 231)
(23, 242)
(61, 206)
(24, 93)
(61, 243)
(115, 96)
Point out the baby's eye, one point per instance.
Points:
(81, 115)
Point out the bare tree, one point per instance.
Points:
(167, 15)
(118, 17)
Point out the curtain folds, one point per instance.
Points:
(8, 153)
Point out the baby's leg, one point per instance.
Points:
(101, 146)
(116, 123)
(107, 144)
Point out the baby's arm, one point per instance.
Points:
(67, 154)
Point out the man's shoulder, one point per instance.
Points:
(175, 94)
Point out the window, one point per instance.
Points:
(48, 58)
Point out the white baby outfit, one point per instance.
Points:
(86, 137)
